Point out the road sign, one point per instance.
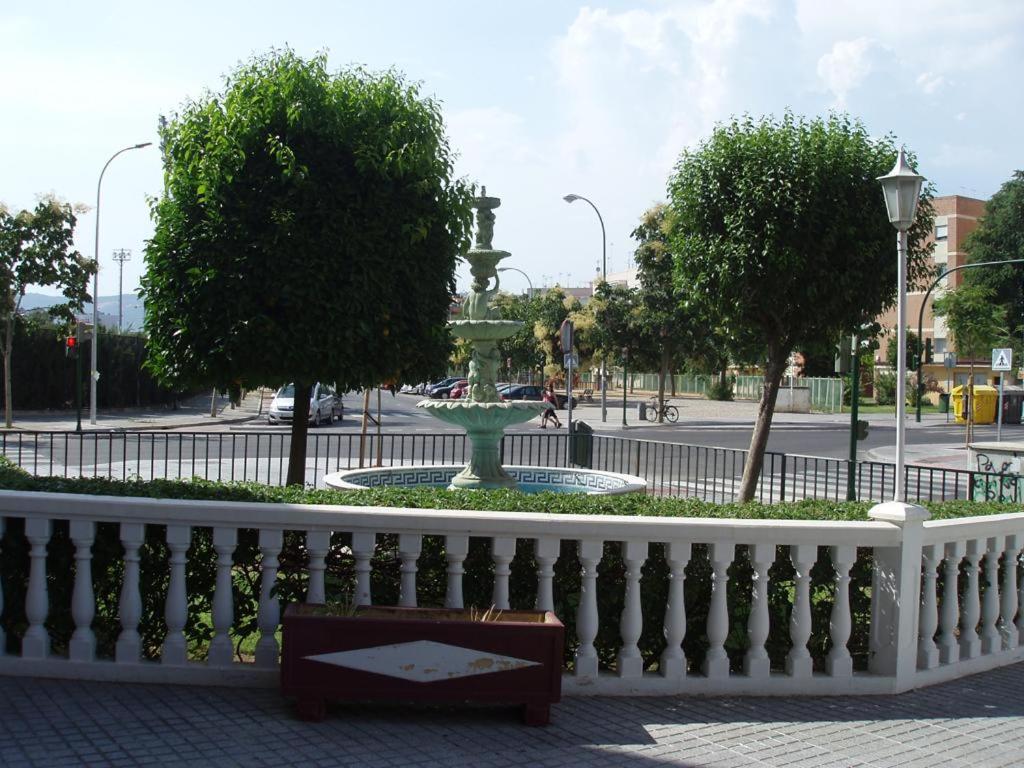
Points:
(571, 360)
(566, 334)
(1002, 359)
(950, 360)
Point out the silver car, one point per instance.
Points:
(324, 405)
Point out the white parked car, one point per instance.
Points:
(324, 405)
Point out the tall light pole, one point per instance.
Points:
(529, 282)
(121, 255)
(96, 286)
(901, 188)
(604, 278)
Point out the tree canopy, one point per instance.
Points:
(308, 230)
(1000, 237)
(37, 248)
(781, 239)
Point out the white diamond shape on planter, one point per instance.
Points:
(422, 661)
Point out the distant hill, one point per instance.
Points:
(132, 308)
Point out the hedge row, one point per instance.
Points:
(478, 581)
(43, 377)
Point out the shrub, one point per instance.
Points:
(885, 389)
(720, 391)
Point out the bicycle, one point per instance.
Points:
(669, 412)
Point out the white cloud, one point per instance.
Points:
(930, 82)
(845, 67)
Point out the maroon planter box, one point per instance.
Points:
(421, 654)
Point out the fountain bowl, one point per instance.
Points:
(529, 479)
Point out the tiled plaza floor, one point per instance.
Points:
(977, 722)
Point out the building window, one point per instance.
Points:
(941, 231)
(939, 348)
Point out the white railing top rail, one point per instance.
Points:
(944, 531)
(263, 515)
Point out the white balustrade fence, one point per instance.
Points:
(944, 596)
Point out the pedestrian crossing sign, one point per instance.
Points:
(1002, 359)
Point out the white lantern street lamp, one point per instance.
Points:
(901, 188)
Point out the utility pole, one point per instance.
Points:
(121, 255)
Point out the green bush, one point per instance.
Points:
(885, 389)
(720, 391)
(431, 580)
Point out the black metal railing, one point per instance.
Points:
(670, 469)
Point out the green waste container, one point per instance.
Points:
(582, 450)
(944, 402)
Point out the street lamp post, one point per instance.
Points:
(96, 286)
(529, 282)
(570, 198)
(625, 373)
(901, 188)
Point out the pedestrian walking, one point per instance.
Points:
(551, 403)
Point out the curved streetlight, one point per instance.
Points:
(920, 319)
(96, 287)
(570, 198)
(529, 282)
(901, 188)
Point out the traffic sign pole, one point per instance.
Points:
(1002, 361)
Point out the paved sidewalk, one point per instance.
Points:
(976, 722)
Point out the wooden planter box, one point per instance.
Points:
(421, 654)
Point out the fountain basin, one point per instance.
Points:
(486, 416)
(529, 479)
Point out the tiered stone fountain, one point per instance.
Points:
(481, 412)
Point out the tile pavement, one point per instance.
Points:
(976, 722)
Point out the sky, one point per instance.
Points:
(541, 98)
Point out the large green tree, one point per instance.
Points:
(978, 324)
(37, 248)
(781, 239)
(1000, 237)
(308, 230)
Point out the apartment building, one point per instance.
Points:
(955, 218)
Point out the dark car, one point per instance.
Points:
(531, 392)
(444, 391)
(429, 391)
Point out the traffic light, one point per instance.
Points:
(928, 352)
(843, 358)
(71, 348)
(862, 429)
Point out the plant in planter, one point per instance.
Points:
(337, 651)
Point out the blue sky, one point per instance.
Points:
(541, 98)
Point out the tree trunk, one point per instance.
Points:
(300, 428)
(8, 345)
(366, 418)
(661, 386)
(969, 405)
(774, 369)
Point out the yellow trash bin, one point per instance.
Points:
(986, 401)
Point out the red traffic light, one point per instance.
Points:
(71, 342)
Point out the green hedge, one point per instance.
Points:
(42, 377)
(478, 581)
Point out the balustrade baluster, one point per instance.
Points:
(502, 552)
(83, 602)
(716, 662)
(270, 608)
(1020, 604)
(970, 643)
(756, 662)
(455, 550)
(927, 650)
(176, 608)
(991, 640)
(630, 663)
(363, 546)
(221, 654)
(545, 552)
(1010, 598)
(409, 547)
(129, 644)
(949, 647)
(318, 543)
(798, 660)
(36, 642)
(673, 660)
(839, 663)
(586, 612)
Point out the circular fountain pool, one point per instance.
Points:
(528, 479)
